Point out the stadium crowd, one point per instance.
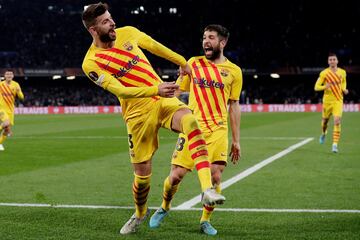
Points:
(296, 34)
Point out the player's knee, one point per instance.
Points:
(337, 121)
(177, 174)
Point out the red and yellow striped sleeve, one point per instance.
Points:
(104, 79)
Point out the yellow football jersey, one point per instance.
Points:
(8, 94)
(125, 71)
(211, 86)
(337, 81)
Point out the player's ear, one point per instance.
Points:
(223, 43)
(92, 30)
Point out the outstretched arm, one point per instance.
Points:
(146, 42)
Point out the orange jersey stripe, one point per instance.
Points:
(333, 86)
(196, 93)
(123, 64)
(119, 51)
(217, 74)
(337, 80)
(204, 94)
(8, 101)
(128, 75)
(208, 77)
(113, 70)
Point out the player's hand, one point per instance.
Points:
(167, 89)
(235, 152)
(185, 70)
(345, 91)
(327, 86)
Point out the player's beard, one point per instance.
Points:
(215, 53)
(106, 37)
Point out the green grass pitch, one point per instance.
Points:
(83, 160)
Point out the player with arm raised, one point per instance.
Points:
(116, 62)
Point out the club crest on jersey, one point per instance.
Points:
(128, 46)
(224, 72)
(93, 76)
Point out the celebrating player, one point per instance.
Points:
(214, 84)
(332, 81)
(9, 90)
(115, 62)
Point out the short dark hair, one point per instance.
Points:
(221, 31)
(91, 12)
(332, 54)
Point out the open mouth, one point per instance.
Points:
(208, 50)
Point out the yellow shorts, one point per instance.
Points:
(143, 130)
(332, 108)
(216, 142)
(3, 116)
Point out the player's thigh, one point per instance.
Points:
(143, 138)
(337, 109)
(217, 144)
(4, 118)
(169, 106)
(181, 155)
(327, 110)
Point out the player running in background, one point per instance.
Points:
(115, 62)
(215, 84)
(9, 91)
(332, 81)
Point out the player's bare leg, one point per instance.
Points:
(5, 131)
(171, 185)
(185, 122)
(324, 125)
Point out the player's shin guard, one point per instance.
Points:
(336, 133)
(168, 194)
(208, 210)
(198, 149)
(141, 188)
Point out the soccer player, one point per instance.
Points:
(214, 85)
(332, 81)
(9, 90)
(115, 62)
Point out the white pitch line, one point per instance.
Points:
(192, 202)
(272, 210)
(125, 137)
